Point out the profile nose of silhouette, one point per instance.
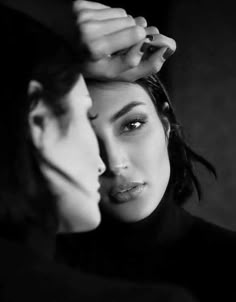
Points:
(101, 168)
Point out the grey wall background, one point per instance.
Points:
(203, 75)
(201, 79)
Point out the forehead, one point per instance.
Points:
(79, 90)
(78, 99)
(111, 97)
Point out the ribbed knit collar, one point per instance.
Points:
(161, 227)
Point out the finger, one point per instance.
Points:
(114, 42)
(133, 55)
(106, 69)
(111, 66)
(160, 41)
(147, 67)
(152, 30)
(101, 14)
(98, 29)
(141, 21)
(154, 63)
(121, 68)
(81, 4)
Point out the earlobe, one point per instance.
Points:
(38, 114)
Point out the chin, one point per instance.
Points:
(134, 211)
(87, 223)
(93, 223)
(133, 215)
(88, 215)
(83, 222)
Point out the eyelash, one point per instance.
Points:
(142, 121)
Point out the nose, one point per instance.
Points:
(101, 167)
(114, 157)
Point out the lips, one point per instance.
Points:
(126, 192)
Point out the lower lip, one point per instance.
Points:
(129, 195)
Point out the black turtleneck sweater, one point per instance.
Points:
(169, 246)
(29, 273)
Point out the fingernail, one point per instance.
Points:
(150, 37)
(144, 47)
(167, 53)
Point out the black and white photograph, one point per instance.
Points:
(117, 155)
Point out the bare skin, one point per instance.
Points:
(108, 32)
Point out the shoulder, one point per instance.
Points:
(25, 277)
(200, 233)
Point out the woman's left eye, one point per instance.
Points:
(133, 125)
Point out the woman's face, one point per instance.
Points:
(75, 154)
(134, 148)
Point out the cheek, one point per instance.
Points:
(84, 154)
(87, 142)
(152, 154)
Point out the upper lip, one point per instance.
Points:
(124, 187)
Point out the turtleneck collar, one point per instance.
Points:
(163, 225)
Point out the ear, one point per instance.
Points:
(38, 115)
(166, 122)
(166, 127)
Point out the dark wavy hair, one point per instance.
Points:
(28, 51)
(183, 180)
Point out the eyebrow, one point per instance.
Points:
(127, 108)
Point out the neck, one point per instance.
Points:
(154, 218)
